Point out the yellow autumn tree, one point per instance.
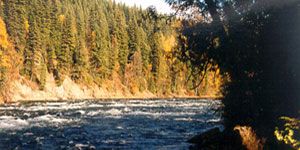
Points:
(3, 36)
(168, 42)
(8, 69)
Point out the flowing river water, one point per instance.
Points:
(107, 124)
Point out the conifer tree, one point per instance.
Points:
(99, 43)
(54, 42)
(68, 45)
(145, 55)
(134, 41)
(35, 57)
(80, 53)
(121, 36)
(155, 61)
(15, 14)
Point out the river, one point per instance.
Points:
(107, 124)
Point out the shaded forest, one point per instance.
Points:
(257, 44)
(97, 42)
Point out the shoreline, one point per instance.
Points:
(22, 90)
(116, 99)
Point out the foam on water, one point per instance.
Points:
(13, 123)
(56, 103)
(114, 112)
(158, 114)
(48, 119)
(95, 106)
(82, 112)
(165, 103)
(94, 113)
(214, 120)
(135, 124)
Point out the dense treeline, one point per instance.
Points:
(257, 44)
(96, 41)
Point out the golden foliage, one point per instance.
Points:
(8, 68)
(93, 35)
(177, 24)
(26, 26)
(133, 74)
(212, 83)
(3, 35)
(289, 133)
(61, 18)
(168, 43)
(249, 138)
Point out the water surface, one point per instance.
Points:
(110, 124)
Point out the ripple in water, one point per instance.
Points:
(130, 124)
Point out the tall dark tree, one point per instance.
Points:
(122, 39)
(99, 45)
(68, 46)
(15, 16)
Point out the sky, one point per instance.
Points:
(160, 5)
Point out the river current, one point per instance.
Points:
(106, 124)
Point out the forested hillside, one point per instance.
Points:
(98, 42)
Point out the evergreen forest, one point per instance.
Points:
(98, 42)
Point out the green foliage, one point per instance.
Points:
(95, 41)
(121, 37)
(155, 61)
(99, 43)
(68, 46)
(15, 14)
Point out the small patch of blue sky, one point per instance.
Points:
(161, 5)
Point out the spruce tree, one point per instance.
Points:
(68, 45)
(80, 53)
(134, 41)
(35, 58)
(15, 15)
(99, 43)
(121, 36)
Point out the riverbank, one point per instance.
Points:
(22, 90)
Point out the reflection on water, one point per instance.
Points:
(130, 124)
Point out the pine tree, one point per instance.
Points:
(134, 40)
(79, 63)
(145, 55)
(54, 42)
(15, 15)
(155, 61)
(68, 45)
(34, 62)
(120, 32)
(99, 43)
